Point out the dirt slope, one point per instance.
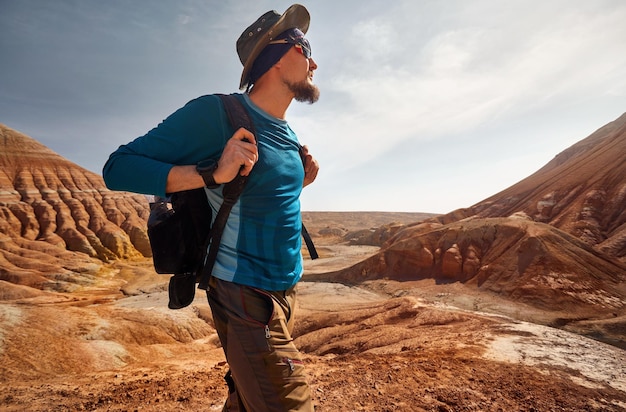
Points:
(366, 350)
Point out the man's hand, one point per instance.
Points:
(239, 157)
(311, 167)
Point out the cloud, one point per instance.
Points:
(410, 90)
(184, 19)
(484, 63)
(455, 100)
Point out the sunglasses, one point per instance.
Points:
(301, 44)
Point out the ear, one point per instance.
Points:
(276, 68)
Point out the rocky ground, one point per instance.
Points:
(383, 346)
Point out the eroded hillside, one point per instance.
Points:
(59, 221)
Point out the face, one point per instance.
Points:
(299, 79)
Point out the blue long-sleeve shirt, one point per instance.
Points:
(261, 243)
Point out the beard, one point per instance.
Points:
(304, 91)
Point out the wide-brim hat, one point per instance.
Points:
(254, 39)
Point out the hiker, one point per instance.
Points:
(252, 288)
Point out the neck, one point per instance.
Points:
(271, 100)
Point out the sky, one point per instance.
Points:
(426, 105)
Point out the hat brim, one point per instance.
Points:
(296, 16)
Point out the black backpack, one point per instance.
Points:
(180, 231)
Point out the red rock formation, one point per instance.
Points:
(50, 207)
(581, 191)
(555, 239)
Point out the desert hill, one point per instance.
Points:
(526, 261)
(555, 241)
(58, 221)
(581, 191)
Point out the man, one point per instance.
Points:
(251, 291)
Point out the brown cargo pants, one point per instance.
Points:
(254, 327)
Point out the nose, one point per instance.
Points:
(312, 64)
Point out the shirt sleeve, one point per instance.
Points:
(195, 132)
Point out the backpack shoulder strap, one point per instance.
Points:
(238, 117)
(237, 114)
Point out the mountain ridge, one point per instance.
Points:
(48, 202)
(555, 241)
(582, 191)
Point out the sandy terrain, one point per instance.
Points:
(383, 346)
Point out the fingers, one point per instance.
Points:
(311, 167)
(244, 135)
(248, 150)
(239, 156)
